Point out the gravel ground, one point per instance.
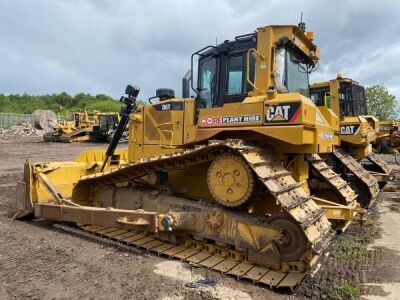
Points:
(41, 261)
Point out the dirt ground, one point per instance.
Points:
(41, 261)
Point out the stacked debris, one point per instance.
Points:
(23, 129)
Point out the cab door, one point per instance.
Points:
(222, 89)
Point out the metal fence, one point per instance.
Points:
(9, 119)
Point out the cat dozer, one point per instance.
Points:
(354, 159)
(105, 127)
(76, 128)
(388, 140)
(219, 180)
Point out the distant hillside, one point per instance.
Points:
(63, 102)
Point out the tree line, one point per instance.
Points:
(62, 102)
(380, 103)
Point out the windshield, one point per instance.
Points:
(296, 74)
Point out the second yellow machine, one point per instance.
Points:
(220, 179)
(354, 160)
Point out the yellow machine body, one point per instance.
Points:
(76, 127)
(80, 126)
(225, 165)
(388, 136)
(357, 132)
(75, 121)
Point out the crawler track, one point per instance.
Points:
(379, 164)
(289, 195)
(189, 252)
(365, 179)
(325, 173)
(76, 136)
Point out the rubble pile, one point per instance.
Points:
(23, 129)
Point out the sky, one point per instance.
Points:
(99, 46)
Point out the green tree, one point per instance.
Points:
(61, 103)
(381, 103)
(140, 103)
(104, 106)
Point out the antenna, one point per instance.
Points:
(302, 25)
(216, 41)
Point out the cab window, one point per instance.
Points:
(235, 75)
(207, 76)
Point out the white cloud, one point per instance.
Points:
(100, 46)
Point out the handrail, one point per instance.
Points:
(199, 52)
(248, 67)
(170, 146)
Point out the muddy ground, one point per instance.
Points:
(41, 261)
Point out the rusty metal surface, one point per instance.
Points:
(97, 216)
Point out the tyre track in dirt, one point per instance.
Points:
(355, 260)
(38, 261)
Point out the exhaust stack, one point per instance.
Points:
(186, 84)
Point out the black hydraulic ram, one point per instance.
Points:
(130, 106)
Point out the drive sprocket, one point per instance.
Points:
(230, 180)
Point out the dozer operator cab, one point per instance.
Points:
(227, 72)
(242, 88)
(77, 118)
(347, 96)
(108, 122)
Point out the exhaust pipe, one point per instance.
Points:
(186, 84)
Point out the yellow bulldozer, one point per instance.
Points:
(388, 139)
(354, 160)
(221, 179)
(81, 126)
(75, 128)
(105, 126)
